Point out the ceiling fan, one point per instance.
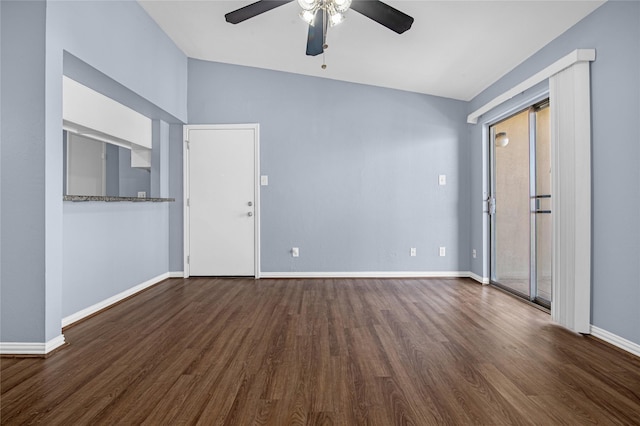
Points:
(323, 13)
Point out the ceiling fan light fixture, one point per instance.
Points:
(335, 18)
(308, 16)
(309, 4)
(335, 10)
(341, 6)
(320, 14)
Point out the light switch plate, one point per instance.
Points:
(295, 251)
(264, 180)
(413, 251)
(442, 179)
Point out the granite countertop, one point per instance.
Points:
(112, 199)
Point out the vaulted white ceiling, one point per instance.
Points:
(454, 49)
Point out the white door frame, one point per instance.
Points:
(185, 156)
(571, 254)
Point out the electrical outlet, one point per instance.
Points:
(473, 253)
(413, 251)
(295, 251)
(142, 194)
(443, 251)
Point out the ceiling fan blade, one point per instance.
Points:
(383, 14)
(315, 39)
(254, 9)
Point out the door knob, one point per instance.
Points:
(250, 214)
(249, 203)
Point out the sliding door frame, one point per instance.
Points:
(568, 79)
(532, 141)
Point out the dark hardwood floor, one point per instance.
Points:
(323, 352)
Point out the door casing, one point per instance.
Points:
(185, 155)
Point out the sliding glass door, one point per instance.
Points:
(541, 205)
(520, 204)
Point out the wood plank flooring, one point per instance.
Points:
(323, 352)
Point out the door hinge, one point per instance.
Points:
(188, 202)
(188, 260)
(187, 142)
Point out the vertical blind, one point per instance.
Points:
(569, 96)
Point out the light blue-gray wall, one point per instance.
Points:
(614, 31)
(22, 159)
(131, 179)
(160, 160)
(112, 172)
(119, 39)
(48, 248)
(353, 169)
(176, 221)
(107, 249)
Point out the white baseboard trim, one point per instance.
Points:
(476, 277)
(176, 274)
(66, 321)
(615, 340)
(369, 274)
(28, 348)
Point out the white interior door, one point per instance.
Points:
(222, 201)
